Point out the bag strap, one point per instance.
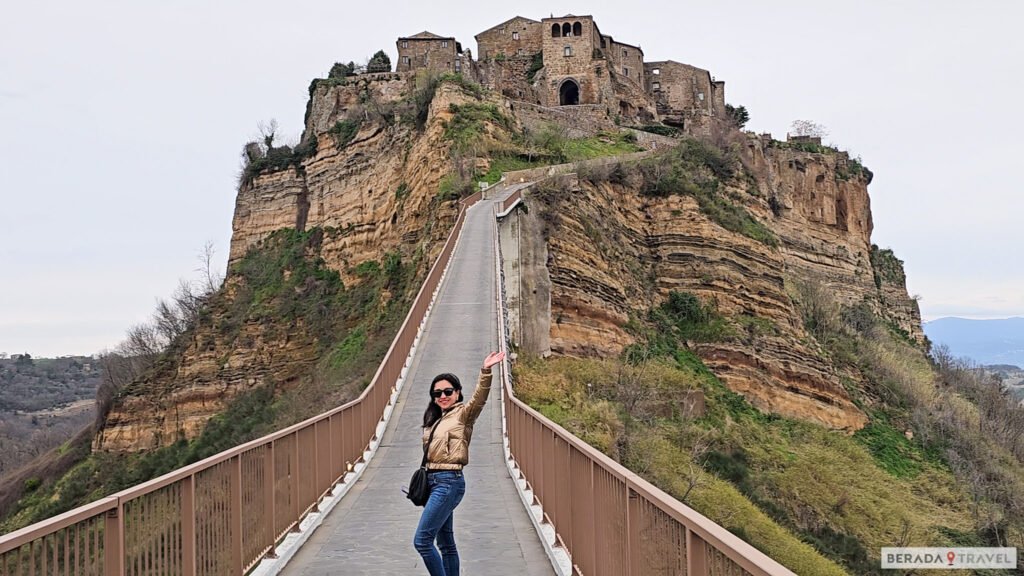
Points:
(426, 448)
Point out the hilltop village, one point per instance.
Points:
(568, 61)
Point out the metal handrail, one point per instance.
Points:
(223, 514)
(609, 520)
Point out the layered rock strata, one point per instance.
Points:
(610, 252)
(376, 193)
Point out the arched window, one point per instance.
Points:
(566, 29)
(577, 29)
(569, 93)
(556, 31)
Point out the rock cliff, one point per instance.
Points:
(371, 192)
(368, 182)
(609, 252)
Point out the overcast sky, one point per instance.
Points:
(122, 123)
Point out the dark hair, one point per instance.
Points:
(433, 413)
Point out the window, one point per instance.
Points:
(700, 96)
(625, 71)
(568, 50)
(448, 65)
(556, 31)
(625, 53)
(405, 60)
(656, 86)
(515, 35)
(405, 43)
(520, 52)
(656, 71)
(444, 44)
(577, 29)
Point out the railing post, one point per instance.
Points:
(270, 499)
(633, 553)
(293, 486)
(236, 515)
(314, 466)
(113, 542)
(696, 555)
(188, 526)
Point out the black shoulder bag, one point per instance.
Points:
(419, 487)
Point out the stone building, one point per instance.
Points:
(686, 96)
(567, 61)
(427, 50)
(518, 37)
(508, 56)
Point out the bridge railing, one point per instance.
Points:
(610, 521)
(224, 514)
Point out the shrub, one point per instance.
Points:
(660, 129)
(379, 62)
(453, 187)
(886, 266)
(344, 131)
(340, 71)
(699, 170)
(536, 63)
(738, 115)
(466, 127)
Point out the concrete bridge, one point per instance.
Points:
(323, 496)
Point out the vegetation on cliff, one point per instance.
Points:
(937, 464)
(693, 168)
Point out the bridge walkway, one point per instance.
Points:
(371, 530)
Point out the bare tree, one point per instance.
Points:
(268, 130)
(808, 128)
(212, 279)
(694, 475)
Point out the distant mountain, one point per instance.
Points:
(984, 341)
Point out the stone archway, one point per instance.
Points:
(569, 93)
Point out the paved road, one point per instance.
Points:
(371, 530)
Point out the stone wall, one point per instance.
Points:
(508, 77)
(516, 37)
(718, 98)
(524, 254)
(579, 121)
(426, 53)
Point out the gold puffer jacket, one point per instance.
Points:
(449, 450)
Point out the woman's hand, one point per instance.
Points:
(492, 359)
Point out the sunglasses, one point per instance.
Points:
(446, 392)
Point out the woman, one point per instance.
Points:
(451, 423)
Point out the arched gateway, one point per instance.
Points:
(569, 93)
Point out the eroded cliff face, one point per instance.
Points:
(612, 252)
(371, 195)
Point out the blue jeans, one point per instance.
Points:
(438, 522)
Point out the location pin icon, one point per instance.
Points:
(950, 556)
